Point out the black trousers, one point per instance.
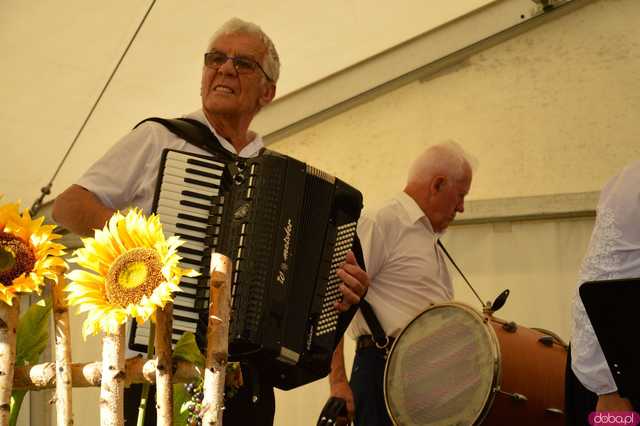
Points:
(253, 404)
(579, 401)
(367, 384)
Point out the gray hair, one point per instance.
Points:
(271, 61)
(446, 158)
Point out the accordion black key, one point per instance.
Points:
(286, 227)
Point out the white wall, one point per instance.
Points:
(551, 111)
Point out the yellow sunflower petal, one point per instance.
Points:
(37, 239)
(121, 241)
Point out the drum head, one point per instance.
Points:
(442, 368)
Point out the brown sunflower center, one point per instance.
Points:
(132, 275)
(16, 258)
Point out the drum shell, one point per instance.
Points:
(532, 368)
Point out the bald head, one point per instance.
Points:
(447, 158)
(439, 180)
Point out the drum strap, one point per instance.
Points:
(379, 336)
(459, 271)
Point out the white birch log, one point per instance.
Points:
(164, 382)
(113, 375)
(217, 339)
(64, 412)
(83, 375)
(8, 325)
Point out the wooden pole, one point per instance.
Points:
(89, 374)
(8, 324)
(113, 375)
(217, 339)
(164, 382)
(144, 396)
(64, 412)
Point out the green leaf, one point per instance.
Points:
(16, 402)
(32, 336)
(186, 349)
(180, 399)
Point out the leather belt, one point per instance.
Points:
(367, 341)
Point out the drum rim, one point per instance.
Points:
(497, 370)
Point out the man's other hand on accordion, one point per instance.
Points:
(355, 283)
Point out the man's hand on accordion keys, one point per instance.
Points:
(355, 283)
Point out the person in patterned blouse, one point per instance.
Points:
(613, 253)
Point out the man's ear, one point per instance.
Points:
(268, 93)
(437, 184)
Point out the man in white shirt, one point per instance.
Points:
(614, 252)
(406, 267)
(241, 68)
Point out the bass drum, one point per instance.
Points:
(452, 365)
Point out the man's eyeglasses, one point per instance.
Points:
(215, 60)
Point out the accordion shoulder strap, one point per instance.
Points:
(366, 309)
(194, 132)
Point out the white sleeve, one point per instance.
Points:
(373, 245)
(614, 252)
(587, 360)
(124, 176)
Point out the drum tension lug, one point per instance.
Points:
(510, 327)
(515, 396)
(546, 340)
(554, 411)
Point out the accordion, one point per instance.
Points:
(286, 227)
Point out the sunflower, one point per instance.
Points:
(27, 253)
(134, 271)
